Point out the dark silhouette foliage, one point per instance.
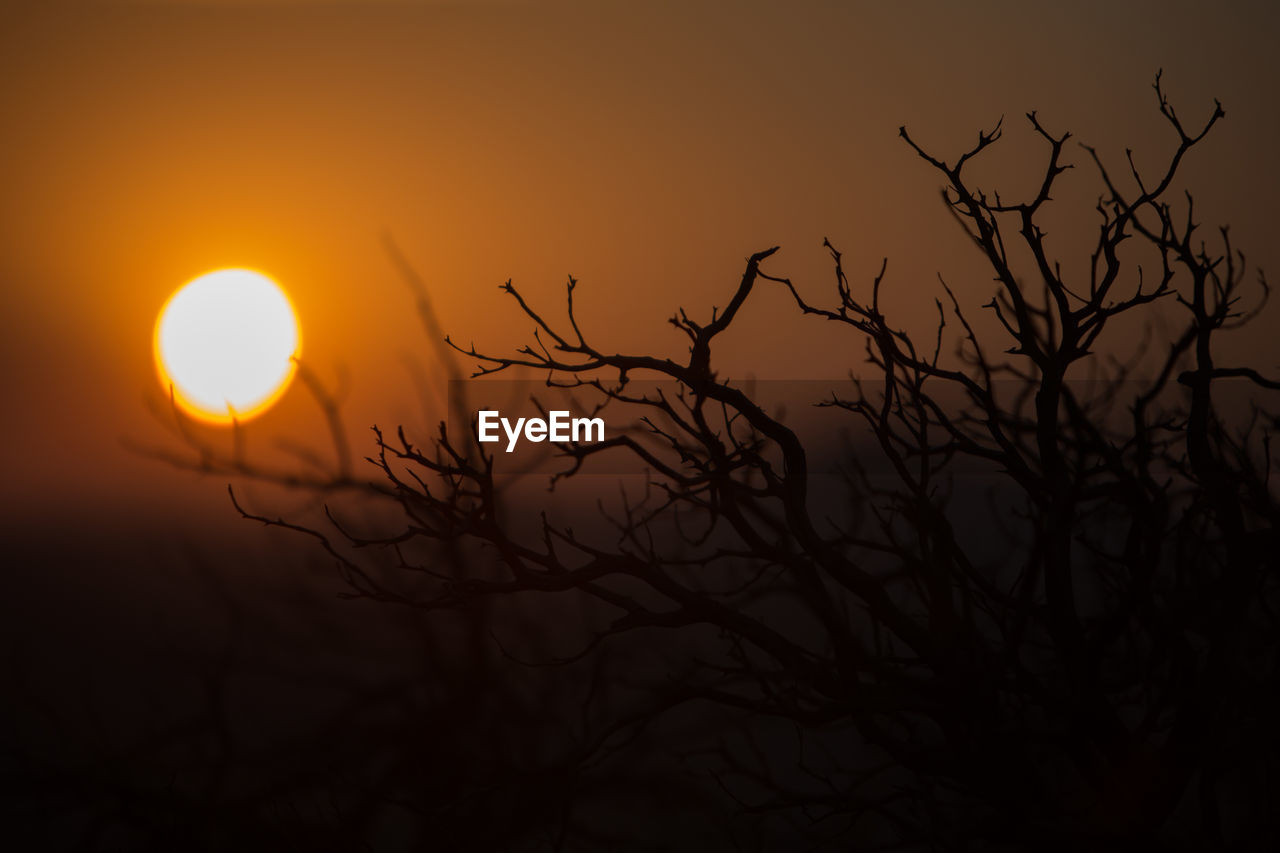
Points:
(1040, 616)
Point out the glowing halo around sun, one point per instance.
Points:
(227, 343)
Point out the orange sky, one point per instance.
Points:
(646, 148)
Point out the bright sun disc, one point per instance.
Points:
(227, 343)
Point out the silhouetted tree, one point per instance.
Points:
(1077, 654)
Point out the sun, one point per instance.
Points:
(227, 343)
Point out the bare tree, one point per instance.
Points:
(1083, 660)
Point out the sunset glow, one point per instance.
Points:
(227, 343)
(722, 423)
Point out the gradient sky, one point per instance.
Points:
(646, 148)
